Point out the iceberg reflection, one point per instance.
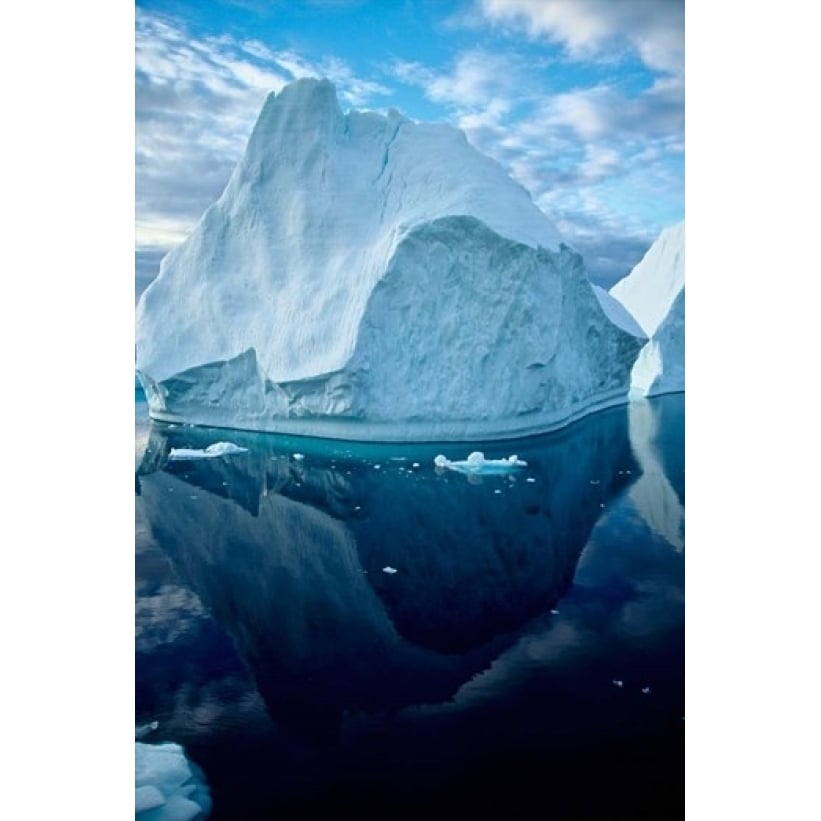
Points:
(655, 498)
(287, 555)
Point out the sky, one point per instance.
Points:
(581, 101)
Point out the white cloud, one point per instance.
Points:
(197, 100)
(654, 29)
(584, 155)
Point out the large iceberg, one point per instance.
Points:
(369, 277)
(653, 293)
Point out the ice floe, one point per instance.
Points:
(211, 452)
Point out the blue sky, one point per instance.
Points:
(582, 101)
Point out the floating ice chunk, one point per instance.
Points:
(554, 612)
(389, 570)
(167, 786)
(415, 464)
(211, 452)
(618, 682)
(146, 798)
(645, 690)
(497, 491)
(299, 456)
(143, 730)
(477, 464)
(530, 479)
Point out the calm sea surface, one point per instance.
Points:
(527, 652)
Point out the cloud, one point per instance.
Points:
(653, 29)
(197, 100)
(580, 153)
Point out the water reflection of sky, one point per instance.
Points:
(262, 606)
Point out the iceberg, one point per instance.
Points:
(168, 787)
(653, 293)
(372, 278)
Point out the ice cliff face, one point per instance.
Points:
(653, 292)
(369, 277)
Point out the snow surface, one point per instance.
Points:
(168, 787)
(368, 277)
(653, 292)
(211, 452)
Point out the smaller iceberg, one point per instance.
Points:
(211, 452)
(476, 464)
(168, 787)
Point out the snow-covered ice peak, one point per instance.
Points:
(369, 277)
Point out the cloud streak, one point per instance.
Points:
(600, 29)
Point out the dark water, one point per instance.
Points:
(303, 679)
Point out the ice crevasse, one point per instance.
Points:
(370, 277)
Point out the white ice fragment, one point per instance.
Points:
(143, 730)
(167, 786)
(377, 467)
(415, 464)
(554, 612)
(618, 682)
(477, 464)
(530, 479)
(211, 452)
(389, 570)
(147, 798)
(645, 690)
(497, 491)
(299, 456)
